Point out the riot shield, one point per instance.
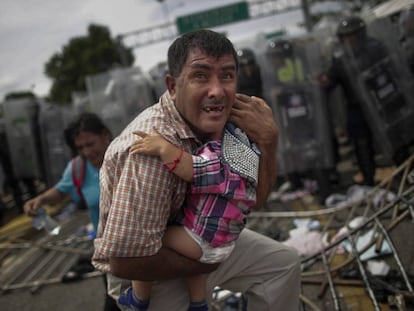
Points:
(20, 117)
(119, 95)
(2, 134)
(298, 106)
(158, 74)
(384, 87)
(335, 100)
(52, 121)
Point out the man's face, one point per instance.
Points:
(204, 92)
(92, 146)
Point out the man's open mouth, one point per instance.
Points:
(215, 109)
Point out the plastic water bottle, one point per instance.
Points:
(43, 221)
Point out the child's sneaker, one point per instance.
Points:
(128, 299)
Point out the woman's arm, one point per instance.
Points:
(51, 196)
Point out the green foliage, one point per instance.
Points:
(83, 56)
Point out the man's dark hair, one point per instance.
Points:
(207, 41)
(85, 122)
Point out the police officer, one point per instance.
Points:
(363, 51)
(249, 80)
(279, 51)
(300, 110)
(11, 183)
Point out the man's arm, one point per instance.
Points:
(166, 264)
(255, 117)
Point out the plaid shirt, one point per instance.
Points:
(138, 195)
(220, 199)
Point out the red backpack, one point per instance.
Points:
(78, 174)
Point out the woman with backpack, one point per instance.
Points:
(88, 138)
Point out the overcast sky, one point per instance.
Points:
(31, 31)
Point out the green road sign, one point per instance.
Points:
(275, 34)
(210, 18)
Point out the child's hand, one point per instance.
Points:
(149, 144)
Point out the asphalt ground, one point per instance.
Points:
(87, 294)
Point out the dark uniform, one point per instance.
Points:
(249, 80)
(300, 110)
(365, 52)
(11, 183)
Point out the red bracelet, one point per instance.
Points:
(174, 163)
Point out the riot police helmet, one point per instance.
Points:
(350, 25)
(246, 56)
(280, 48)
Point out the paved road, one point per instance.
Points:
(85, 295)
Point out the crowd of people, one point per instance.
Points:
(168, 198)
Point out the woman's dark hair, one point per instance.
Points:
(207, 41)
(85, 122)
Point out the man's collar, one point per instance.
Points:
(178, 123)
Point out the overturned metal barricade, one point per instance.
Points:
(46, 260)
(326, 274)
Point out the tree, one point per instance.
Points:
(82, 56)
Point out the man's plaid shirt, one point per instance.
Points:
(138, 195)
